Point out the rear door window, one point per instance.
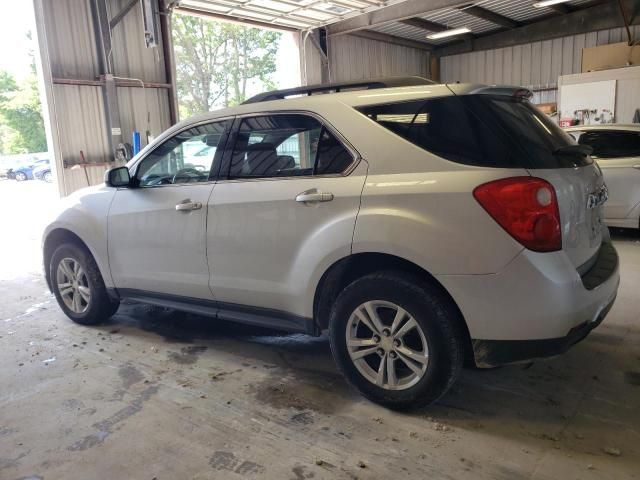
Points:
(480, 130)
(612, 143)
(286, 145)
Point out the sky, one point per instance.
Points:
(15, 22)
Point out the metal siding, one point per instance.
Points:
(131, 58)
(353, 58)
(80, 123)
(143, 109)
(71, 40)
(77, 112)
(535, 65)
(310, 61)
(516, 66)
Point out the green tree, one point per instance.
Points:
(21, 123)
(217, 61)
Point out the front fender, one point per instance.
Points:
(85, 214)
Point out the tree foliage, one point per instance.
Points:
(21, 123)
(216, 62)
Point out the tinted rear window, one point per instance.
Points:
(480, 130)
(612, 143)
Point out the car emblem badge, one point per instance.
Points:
(598, 197)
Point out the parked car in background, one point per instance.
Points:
(43, 172)
(616, 148)
(421, 225)
(25, 171)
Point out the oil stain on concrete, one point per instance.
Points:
(129, 375)
(228, 461)
(187, 355)
(105, 427)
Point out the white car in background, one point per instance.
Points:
(420, 224)
(617, 151)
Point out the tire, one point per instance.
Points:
(91, 309)
(21, 176)
(47, 177)
(435, 316)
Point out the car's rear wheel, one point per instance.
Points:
(47, 177)
(397, 339)
(78, 285)
(21, 176)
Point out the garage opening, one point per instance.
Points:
(220, 64)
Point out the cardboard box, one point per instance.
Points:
(548, 108)
(614, 55)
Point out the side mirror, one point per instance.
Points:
(117, 177)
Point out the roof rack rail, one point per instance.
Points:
(373, 83)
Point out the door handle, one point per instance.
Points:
(187, 206)
(314, 195)
(637, 167)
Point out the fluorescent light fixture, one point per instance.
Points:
(546, 3)
(448, 33)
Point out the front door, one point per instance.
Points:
(157, 228)
(288, 204)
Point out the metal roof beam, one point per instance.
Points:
(600, 17)
(384, 37)
(562, 8)
(424, 24)
(489, 16)
(392, 13)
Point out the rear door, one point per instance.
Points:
(618, 154)
(286, 202)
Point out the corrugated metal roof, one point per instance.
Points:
(518, 10)
(523, 10)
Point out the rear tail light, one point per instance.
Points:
(527, 208)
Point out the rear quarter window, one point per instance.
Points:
(481, 130)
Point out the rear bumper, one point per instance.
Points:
(492, 353)
(538, 306)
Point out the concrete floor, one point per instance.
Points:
(164, 395)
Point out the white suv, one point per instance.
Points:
(420, 224)
(617, 150)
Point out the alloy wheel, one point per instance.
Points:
(73, 285)
(387, 345)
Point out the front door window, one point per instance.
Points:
(187, 157)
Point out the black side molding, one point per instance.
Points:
(262, 317)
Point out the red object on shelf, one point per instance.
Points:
(566, 122)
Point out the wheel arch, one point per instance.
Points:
(344, 271)
(52, 241)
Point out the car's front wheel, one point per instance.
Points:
(47, 177)
(397, 339)
(21, 176)
(78, 285)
